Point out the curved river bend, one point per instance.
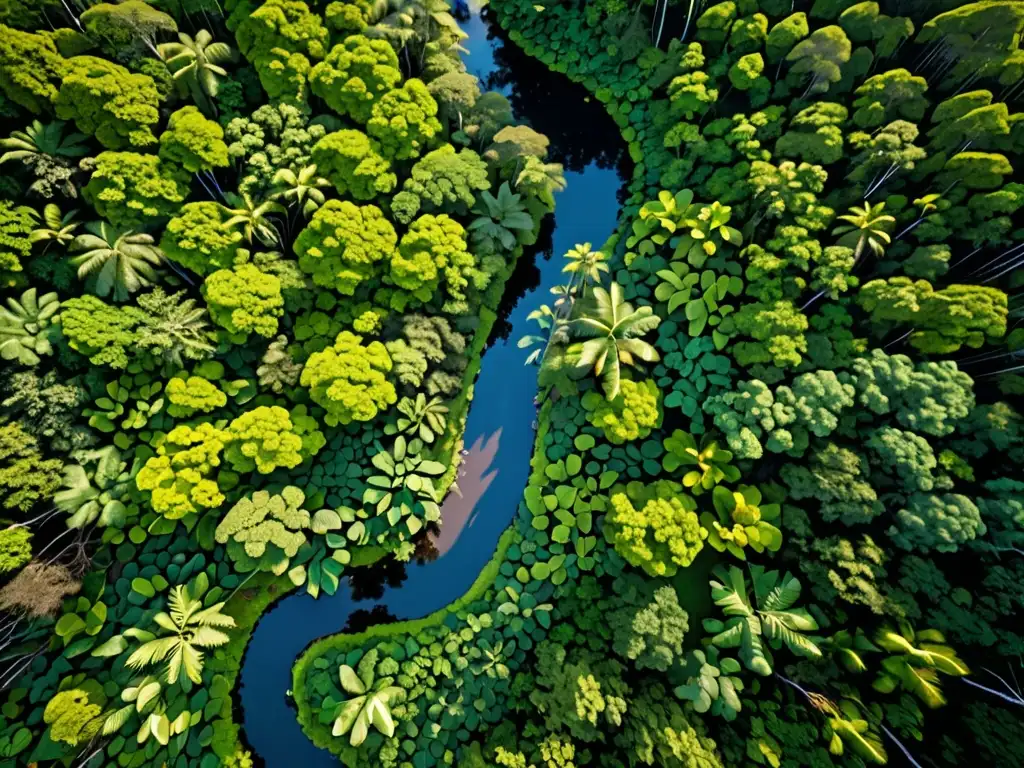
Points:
(499, 427)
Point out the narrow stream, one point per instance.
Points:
(499, 429)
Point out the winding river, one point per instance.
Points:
(500, 424)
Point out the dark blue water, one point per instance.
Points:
(499, 429)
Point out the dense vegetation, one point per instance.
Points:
(775, 517)
(250, 260)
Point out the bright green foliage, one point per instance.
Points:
(16, 226)
(630, 416)
(355, 75)
(422, 418)
(745, 74)
(659, 537)
(353, 164)
(107, 101)
(342, 244)
(244, 300)
(649, 628)
(930, 522)
(30, 69)
(179, 475)
(15, 549)
(785, 35)
(264, 532)
(612, 329)
(836, 477)
(280, 38)
(130, 190)
(26, 478)
(127, 29)
(370, 705)
(885, 152)
(193, 142)
(819, 59)
(263, 439)
(187, 628)
(916, 661)
(771, 616)
(943, 320)
(442, 181)
(197, 239)
(960, 30)
(404, 121)
(742, 521)
(99, 331)
(73, 718)
(432, 249)
(192, 394)
(778, 332)
(711, 462)
(348, 380)
(815, 134)
(976, 170)
(892, 95)
(714, 23)
(27, 327)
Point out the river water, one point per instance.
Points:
(500, 425)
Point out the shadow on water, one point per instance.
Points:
(499, 427)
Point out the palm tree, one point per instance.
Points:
(116, 260)
(195, 66)
(541, 180)
(370, 704)
(302, 188)
(254, 218)
(585, 265)
(865, 227)
(39, 139)
(56, 228)
(612, 329)
(189, 627)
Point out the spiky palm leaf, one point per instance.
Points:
(116, 260)
(917, 659)
(189, 627)
(612, 328)
(195, 66)
(585, 265)
(774, 616)
(254, 218)
(302, 189)
(865, 227)
(40, 139)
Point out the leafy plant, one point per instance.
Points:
(774, 616)
(866, 226)
(188, 627)
(421, 418)
(39, 139)
(612, 326)
(97, 494)
(371, 702)
(918, 658)
(500, 217)
(27, 327)
(195, 65)
(57, 228)
(712, 684)
(711, 462)
(742, 521)
(115, 261)
(405, 489)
